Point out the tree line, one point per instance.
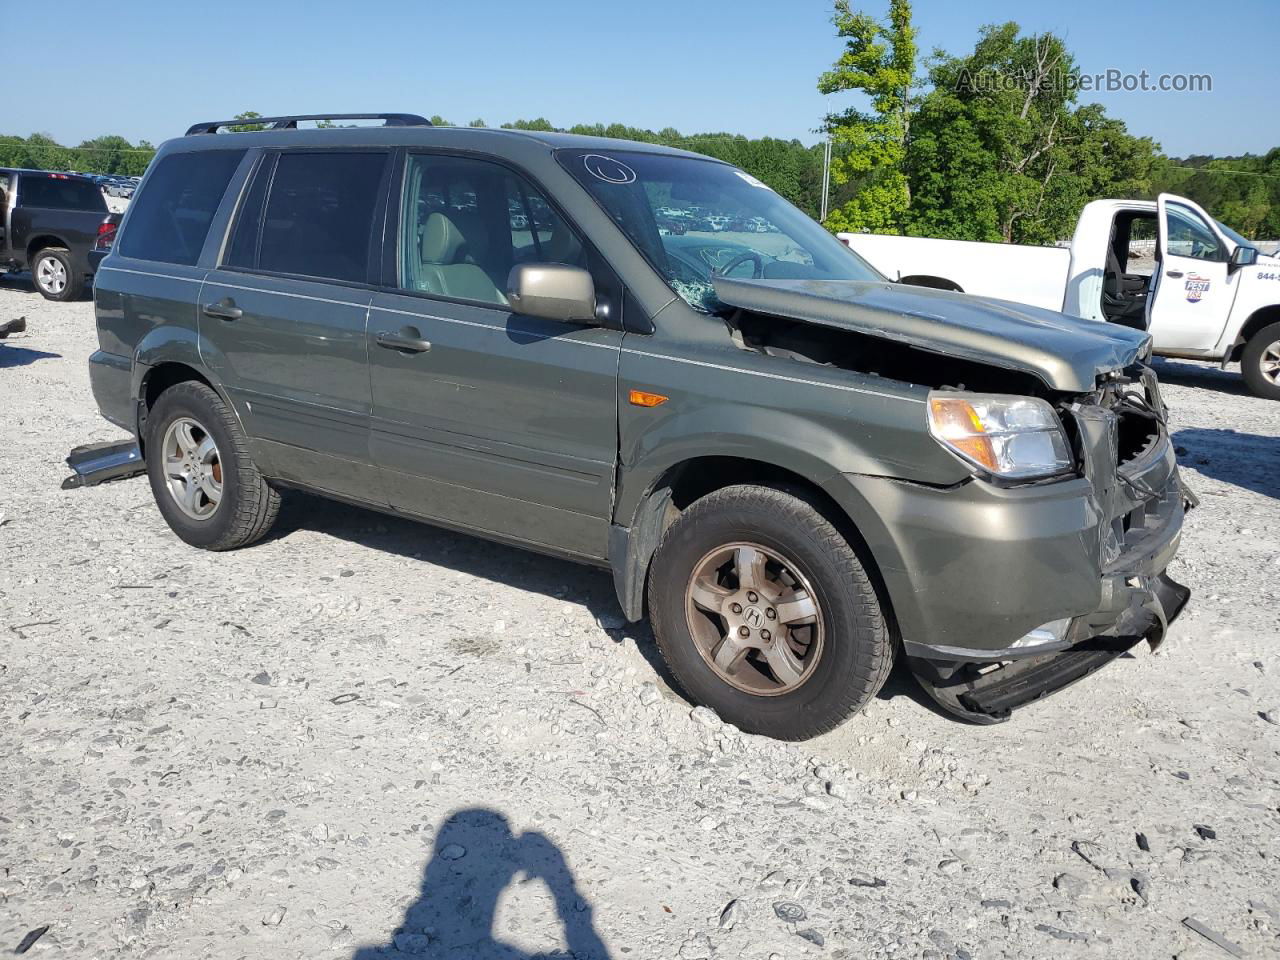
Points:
(105, 154)
(992, 144)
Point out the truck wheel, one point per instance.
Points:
(1260, 363)
(53, 275)
(208, 489)
(762, 612)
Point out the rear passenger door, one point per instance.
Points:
(483, 417)
(283, 315)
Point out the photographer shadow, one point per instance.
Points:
(476, 857)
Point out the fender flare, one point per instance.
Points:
(172, 344)
(39, 242)
(780, 442)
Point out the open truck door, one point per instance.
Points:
(1194, 288)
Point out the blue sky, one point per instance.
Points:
(148, 69)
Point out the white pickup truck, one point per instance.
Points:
(1199, 288)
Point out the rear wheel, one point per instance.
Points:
(53, 276)
(763, 612)
(207, 487)
(1260, 363)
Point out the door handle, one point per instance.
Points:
(1175, 274)
(224, 309)
(409, 341)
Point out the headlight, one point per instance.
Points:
(1015, 438)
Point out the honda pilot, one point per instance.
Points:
(796, 469)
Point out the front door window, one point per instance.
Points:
(464, 223)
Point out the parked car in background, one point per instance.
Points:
(120, 187)
(764, 440)
(1200, 289)
(48, 224)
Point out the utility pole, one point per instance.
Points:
(826, 178)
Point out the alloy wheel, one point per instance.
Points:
(51, 275)
(192, 468)
(754, 618)
(1269, 362)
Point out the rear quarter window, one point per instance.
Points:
(60, 193)
(169, 218)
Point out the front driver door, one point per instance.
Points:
(484, 418)
(1194, 289)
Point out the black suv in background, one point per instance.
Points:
(48, 224)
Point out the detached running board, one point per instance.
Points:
(989, 693)
(1026, 681)
(96, 463)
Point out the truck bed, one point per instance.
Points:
(1033, 275)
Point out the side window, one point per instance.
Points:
(318, 216)
(169, 219)
(465, 223)
(1189, 236)
(58, 191)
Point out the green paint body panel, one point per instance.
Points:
(518, 428)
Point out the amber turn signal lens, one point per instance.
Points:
(956, 422)
(1013, 437)
(641, 398)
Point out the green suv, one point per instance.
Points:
(794, 467)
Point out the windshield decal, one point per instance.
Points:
(608, 169)
(751, 180)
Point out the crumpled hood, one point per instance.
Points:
(1067, 353)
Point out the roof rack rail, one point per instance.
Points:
(291, 123)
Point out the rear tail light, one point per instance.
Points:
(106, 236)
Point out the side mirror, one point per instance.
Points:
(552, 291)
(1242, 256)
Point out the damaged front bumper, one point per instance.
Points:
(1003, 596)
(1142, 502)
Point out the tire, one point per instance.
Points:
(848, 639)
(1260, 363)
(53, 275)
(246, 506)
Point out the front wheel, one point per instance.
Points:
(53, 275)
(763, 612)
(1260, 363)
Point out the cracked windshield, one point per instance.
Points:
(697, 219)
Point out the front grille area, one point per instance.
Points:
(1139, 413)
(1128, 458)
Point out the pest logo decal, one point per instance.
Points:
(1196, 286)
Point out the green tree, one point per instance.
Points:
(1000, 150)
(541, 123)
(137, 162)
(106, 154)
(879, 60)
(1243, 192)
(247, 127)
(477, 123)
(42, 152)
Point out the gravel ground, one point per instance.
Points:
(365, 736)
